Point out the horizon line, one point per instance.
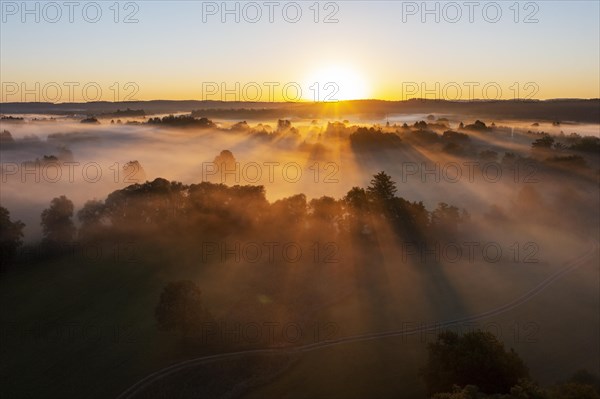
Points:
(312, 102)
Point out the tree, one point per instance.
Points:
(291, 211)
(545, 142)
(11, 237)
(6, 137)
(57, 223)
(90, 217)
(133, 172)
(526, 389)
(586, 144)
(584, 377)
(356, 205)
(180, 308)
(581, 385)
(326, 209)
(488, 155)
(445, 219)
(90, 119)
(373, 139)
(477, 125)
(382, 187)
(225, 165)
(475, 358)
(326, 216)
(573, 390)
(356, 198)
(411, 218)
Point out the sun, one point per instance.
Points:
(335, 83)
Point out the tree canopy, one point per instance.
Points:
(57, 223)
(475, 358)
(11, 237)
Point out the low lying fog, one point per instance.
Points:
(90, 161)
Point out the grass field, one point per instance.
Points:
(86, 328)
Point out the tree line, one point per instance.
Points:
(180, 212)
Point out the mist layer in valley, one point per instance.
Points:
(45, 156)
(347, 226)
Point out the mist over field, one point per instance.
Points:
(291, 200)
(311, 159)
(336, 229)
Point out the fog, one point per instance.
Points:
(516, 216)
(309, 161)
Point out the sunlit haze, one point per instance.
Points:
(311, 199)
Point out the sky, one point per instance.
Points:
(298, 51)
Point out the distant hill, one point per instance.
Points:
(573, 110)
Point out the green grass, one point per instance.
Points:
(118, 297)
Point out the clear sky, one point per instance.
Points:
(377, 49)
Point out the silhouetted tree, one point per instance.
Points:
(568, 161)
(326, 215)
(477, 125)
(572, 390)
(356, 198)
(526, 389)
(240, 127)
(133, 172)
(421, 125)
(6, 137)
(226, 167)
(182, 121)
(544, 142)
(283, 124)
(57, 224)
(586, 144)
(90, 217)
(410, 219)
(356, 204)
(291, 210)
(366, 139)
(584, 377)
(11, 237)
(488, 155)
(445, 220)
(382, 187)
(451, 135)
(90, 119)
(146, 207)
(325, 209)
(475, 358)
